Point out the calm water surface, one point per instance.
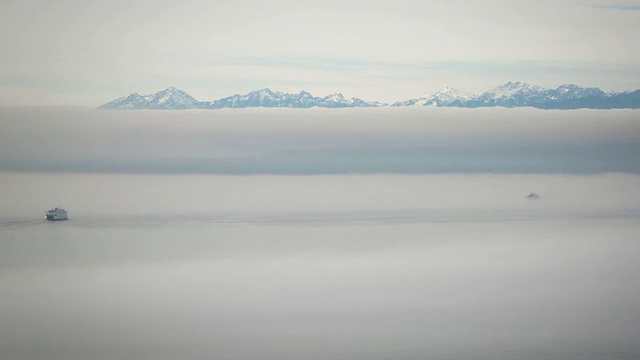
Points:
(320, 267)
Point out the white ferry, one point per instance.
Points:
(57, 214)
(533, 196)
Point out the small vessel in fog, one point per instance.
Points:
(57, 214)
(533, 196)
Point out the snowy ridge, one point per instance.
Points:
(172, 99)
(511, 89)
(444, 97)
(303, 99)
(518, 94)
(168, 99)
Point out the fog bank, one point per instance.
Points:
(320, 141)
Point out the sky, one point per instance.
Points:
(87, 53)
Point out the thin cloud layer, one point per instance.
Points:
(75, 53)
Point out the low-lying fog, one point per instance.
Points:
(360, 234)
(317, 141)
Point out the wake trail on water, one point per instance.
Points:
(4, 224)
(352, 218)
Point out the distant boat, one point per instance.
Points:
(57, 214)
(533, 196)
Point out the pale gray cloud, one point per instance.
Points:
(619, 7)
(625, 5)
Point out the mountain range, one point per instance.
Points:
(511, 94)
(175, 99)
(518, 94)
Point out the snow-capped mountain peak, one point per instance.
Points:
(264, 93)
(449, 95)
(169, 98)
(173, 98)
(446, 96)
(571, 91)
(511, 88)
(334, 97)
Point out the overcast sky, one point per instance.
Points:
(78, 52)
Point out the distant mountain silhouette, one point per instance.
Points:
(174, 99)
(518, 94)
(511, 94)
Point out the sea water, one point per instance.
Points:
(345, 265)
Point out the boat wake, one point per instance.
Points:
(20, 223)
(354, 218)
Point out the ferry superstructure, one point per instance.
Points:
(57, 214)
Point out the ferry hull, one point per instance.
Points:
(52, 218)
